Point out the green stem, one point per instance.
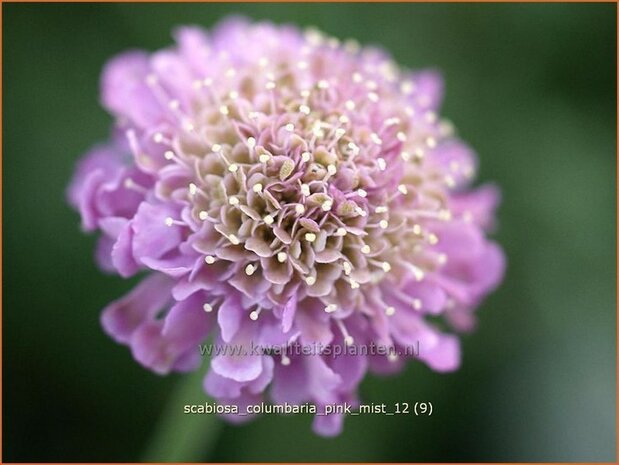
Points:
(180, 437)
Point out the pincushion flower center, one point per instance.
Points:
(295, 178)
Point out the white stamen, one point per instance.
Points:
(233, 201)
(365, 249)
(224, 110)
(169, 221)
(233, 168)
(382, 209)
(382, 164)
(407, 87)
(362, 193)
(193, 189)
(289, 127)
(419, 154)
(250, 269)
(304, 109)
(371, 85)
(235, 240)
(158, 137)
(207, 307)
(401, 136)
(430, 117)
(216, 148)
(282, 257)
(333, 42)
(310, 280)
(390, 311)
(264, 158)
(254, 315)
(417, 272)
(322, 84)
(209, 259)
(316, 129)
(326, 205)
(310, 237)
(373, 97)
(331, 169)
(129, 184)
(203, 215)
(257, 188)
(403, 189)
(386, 266)
(306, 156)
(347, 268)
(168, 155)
(351, 46)
(340, 232)
(330, 308)
(285, 360)
(300, 209)
(377, 140)
(384, 224)
(251, 142)
(348, 339)
(305, 190)
(233, 94)
(417, 304)
(268, 219)
(444, 215)
(350, 105)
(270, 85)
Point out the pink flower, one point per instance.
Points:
(282, 188)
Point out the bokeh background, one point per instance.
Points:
(530, 86)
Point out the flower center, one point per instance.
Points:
(306, 181)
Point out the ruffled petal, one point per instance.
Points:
(444, 355)
(125, 91)
(122, 317)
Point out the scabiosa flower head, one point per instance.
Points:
(280, 188)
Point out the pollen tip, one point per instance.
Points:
(330, 308)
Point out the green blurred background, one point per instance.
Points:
(530, 86)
